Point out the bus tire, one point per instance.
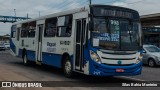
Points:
(25, 60)
(67, 67)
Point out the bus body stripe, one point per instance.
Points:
(31, 55)
(12, 46)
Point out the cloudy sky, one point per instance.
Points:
(33, 7)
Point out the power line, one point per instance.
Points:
(76, 3)
(133, 2)
(83, 3)
(62, 3)
(65, 5)
(136, 2)
(111, 1)
(71, 4)
(121, 0)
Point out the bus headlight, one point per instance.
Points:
(95, 57)
(139, 58)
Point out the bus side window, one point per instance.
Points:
(18, 32)
(65, 30)
(31, 33)
(50, 27)
(24, 33)
(32, 29)
(13, 34)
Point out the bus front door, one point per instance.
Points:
(17, 39)
(80, 39)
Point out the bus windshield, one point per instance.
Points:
(115, 34)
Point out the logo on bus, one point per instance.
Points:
(51, 44)
(119, 62)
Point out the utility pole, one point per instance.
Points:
(27, 15)
(15, 12)
(39, 13)
(90, 2)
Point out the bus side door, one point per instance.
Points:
(39, 33)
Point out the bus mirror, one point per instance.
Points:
(91, 26)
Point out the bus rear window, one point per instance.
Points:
(13, 31)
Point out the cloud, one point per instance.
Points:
(33, 7)
(142, 6)
(24, 7)
(120, 4)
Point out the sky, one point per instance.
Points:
(36, 8)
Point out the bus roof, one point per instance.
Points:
(55, 14)
(62, 13)
(98, 5)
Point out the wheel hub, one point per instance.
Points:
(68, 67)
(151, 63)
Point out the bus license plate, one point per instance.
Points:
(119, 70)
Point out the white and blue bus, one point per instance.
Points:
(98, 40)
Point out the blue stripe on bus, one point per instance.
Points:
(12, 46)
(31, 55)
(47, 58)
(53, 59)
(20, 53)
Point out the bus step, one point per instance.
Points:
(38, 62)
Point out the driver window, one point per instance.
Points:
(100, 25)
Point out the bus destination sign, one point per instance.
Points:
(116, 13)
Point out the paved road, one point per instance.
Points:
(12, 69)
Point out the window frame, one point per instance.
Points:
(31, 27)
(53, 28)
(30, 34)
(22, 34)
(13, 32)
(67, 25)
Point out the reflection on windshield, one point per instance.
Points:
(153, 49)
(108, 38)
(115, 34)
(100, 25)
(129, 35)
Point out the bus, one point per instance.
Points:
(98, 40)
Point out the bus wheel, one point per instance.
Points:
(25, 60)
(67, 67)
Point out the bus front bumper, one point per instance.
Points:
(109, 70)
